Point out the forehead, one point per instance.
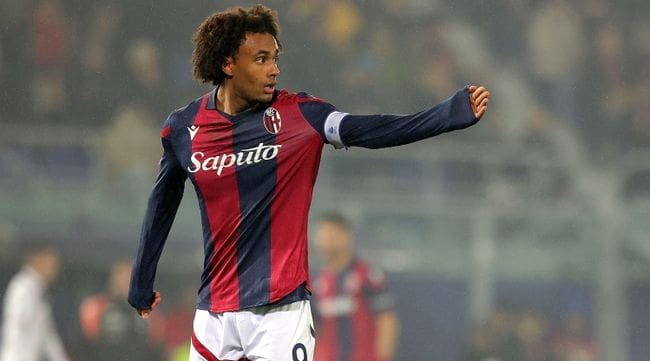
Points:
(329, 225)
(258, 42)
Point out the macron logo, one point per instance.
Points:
(193, 130)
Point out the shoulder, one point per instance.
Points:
(181, 116)
(284, 96)
(22, 285)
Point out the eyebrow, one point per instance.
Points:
(266, 52)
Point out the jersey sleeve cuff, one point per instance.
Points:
(141, 300)
(463, 107)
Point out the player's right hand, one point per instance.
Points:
(478, 99)
(156, 301)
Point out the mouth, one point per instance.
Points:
(269, 88)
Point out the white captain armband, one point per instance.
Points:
(332, 124)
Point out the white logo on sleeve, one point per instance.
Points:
(193, 130)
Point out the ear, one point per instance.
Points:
(228, 66)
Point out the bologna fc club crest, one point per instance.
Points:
(272, 121)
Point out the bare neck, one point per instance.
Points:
(229, 101)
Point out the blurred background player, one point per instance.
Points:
(354, 313)
(109, 326)
(28, 330)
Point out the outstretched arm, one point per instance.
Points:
(161, 210)
(460, 111)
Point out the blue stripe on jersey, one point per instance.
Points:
(185, 119)
(315, 112)
(204, 301)
(344, 323)
(254, 242)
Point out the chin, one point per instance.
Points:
(266, 98)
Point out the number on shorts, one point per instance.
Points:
(295, 352)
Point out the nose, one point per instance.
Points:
(275, 70)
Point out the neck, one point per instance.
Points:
(37, 272)
(228, 101)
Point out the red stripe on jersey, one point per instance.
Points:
(202, 350)
(363, 319)
(297, 169)
(213, 138)
(327, 346)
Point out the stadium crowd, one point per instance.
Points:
(90, 63)
(119, 68)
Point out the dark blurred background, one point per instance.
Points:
(529, 230)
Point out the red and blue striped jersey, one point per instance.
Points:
(346, 304)
(254, 174)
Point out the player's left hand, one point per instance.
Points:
(478, 99)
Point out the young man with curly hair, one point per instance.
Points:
(252, 153)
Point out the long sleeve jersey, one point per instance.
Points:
(254, 175)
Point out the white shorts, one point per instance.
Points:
(266, 333)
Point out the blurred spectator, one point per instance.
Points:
(53, 39)
(532, 333)
(28, 330)
(610, 107)
(355, 320)
(100, 76)
(110, 326)
(638, 126)
(130, 155)
(16, 68)
(574, 342)
(340, 24)
(440, 71)
(145, 80)
(482, 345)
(556, 51)
(503, 324)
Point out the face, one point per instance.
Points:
(47, 264)
(254, 69)
(333, 240)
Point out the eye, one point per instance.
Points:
(260, 60)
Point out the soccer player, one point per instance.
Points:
(355, 319)
(252, 153)
(111, 329)
(28, 330)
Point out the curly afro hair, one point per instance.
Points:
(221, 34)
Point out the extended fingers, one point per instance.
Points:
(481, 108)
(156, 300)
(476, 90)
(480, 96)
